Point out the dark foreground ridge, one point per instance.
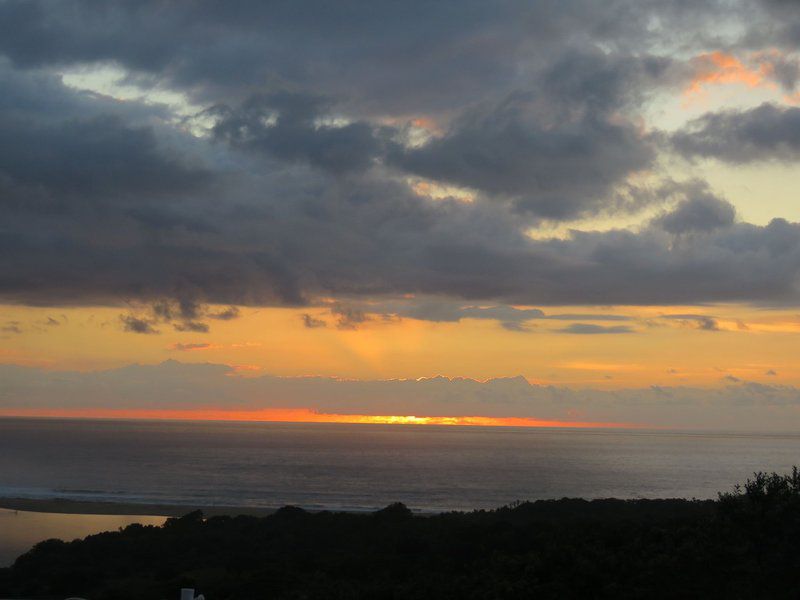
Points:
(746, 544)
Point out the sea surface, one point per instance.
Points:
(352, 467)
(365, 467)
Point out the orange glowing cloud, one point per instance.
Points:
(304, 415)
(719, 68)
(428, 125)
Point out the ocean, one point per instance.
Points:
(366, 467)
(351, 467)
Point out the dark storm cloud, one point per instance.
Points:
(300, 191)
(766, 132)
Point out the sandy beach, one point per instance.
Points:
(82, 507)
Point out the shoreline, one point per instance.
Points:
(91, 507)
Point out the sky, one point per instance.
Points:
(571, 212)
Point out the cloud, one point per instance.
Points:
(591, 329)
(553, 167)
(703, 322)
(136, 325)
(767, 132)
(227, 314)
(719, 67)
(283, 126)
(286, 180)
(195, 326)
(174, 386)
(701, 213)
(349, 317)
(312, 322)
(11, 327)
(515, 326)
(446, 310)
(191, 347)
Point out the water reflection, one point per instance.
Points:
(20, 530)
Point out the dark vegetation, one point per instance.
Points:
(746, 544)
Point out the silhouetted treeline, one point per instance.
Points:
(746, 544)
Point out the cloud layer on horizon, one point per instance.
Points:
(179, 386)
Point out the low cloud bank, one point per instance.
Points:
(171, 385)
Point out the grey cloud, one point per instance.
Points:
(700, 213)
(515, 326)
(11, 327)
(418, 56)
(444, 249)
(587, 317)
(89, 158)
(591, 329)
(108, 202)
(704, 322)
(190, 347)
(349, 317)
(786, 71)
(553, 171)
(227, 314)
(194, 326)
(168, 310)
(294, 135)
(186, 315)
(446, 310)
(173, 385)
(135, 324)
(311, 322)
(766, 132)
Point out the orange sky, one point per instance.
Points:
(752, 344)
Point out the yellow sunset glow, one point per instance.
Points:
(659, 350)
(278, 415)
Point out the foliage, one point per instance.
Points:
(746, 544)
